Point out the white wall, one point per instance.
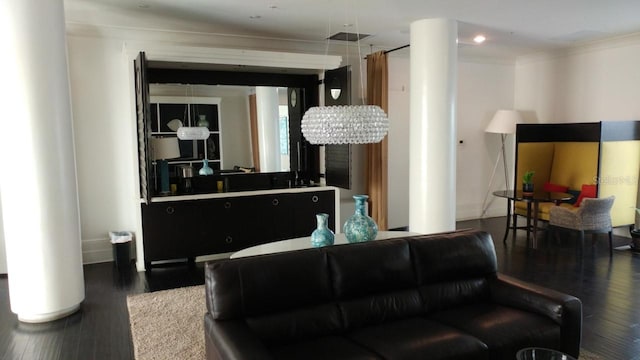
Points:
(595, 82)
(107, 179)
(483, 88)
(398, 149)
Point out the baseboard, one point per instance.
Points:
(98, 251)
(473, 213)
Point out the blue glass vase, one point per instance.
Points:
(360, 227)
(205, 170)
(322, 235)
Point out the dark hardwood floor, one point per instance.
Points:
(608, 287)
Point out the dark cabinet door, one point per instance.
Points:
(224, 222)
(169, 231)
(270, 218)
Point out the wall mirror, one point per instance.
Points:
(233, 99)
(253, 123)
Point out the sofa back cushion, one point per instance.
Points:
(369, 268)
(281, 296)
(374, 282)
(453, 269)
(253, 286)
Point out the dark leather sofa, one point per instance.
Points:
(421, 297)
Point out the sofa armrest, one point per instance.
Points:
(564, 309)
(231, 339)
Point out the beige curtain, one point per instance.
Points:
(377, 155)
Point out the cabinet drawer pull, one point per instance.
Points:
(228, 239)
(170, 210)
(314, 198)
(275, 202)
(227, 205)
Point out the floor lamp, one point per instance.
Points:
(503, 123)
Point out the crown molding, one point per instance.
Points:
(208, 48)
(616, 42)
(209, 55)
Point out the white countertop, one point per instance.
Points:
(241, 193)
(305, 243)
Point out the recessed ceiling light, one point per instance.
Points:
(479, 39)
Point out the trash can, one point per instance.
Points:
(121, 241)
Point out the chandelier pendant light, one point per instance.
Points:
(345, 124)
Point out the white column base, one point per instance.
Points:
(40, 318)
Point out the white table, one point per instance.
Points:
(305, 243)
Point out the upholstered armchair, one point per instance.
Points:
(593, 216)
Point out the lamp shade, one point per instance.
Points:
(504, 122)
(165, 148)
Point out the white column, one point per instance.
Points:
(38, 177)
(268, 131)
(432, 174)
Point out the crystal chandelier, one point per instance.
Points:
(345, 124)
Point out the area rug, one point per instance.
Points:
(169, 325)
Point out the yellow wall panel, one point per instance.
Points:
(620, 178)
(537, 157)
(575, 164)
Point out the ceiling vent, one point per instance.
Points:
(345, 36)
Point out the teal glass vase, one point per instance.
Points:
(360, 227)
(205, 169)
(322, 235)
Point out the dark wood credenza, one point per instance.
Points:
(189, 226)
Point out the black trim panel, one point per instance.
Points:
(580, 132)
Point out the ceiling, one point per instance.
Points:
(512, 27)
